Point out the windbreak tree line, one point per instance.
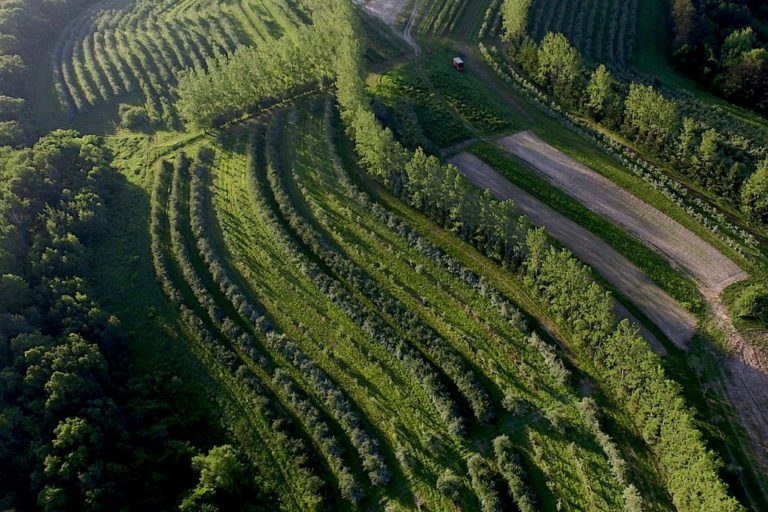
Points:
(646, 116)
(254, 77)
(555, 276)
(76, 430)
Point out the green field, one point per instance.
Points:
(604, 30)
(343, 320)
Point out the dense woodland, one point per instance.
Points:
(80, 431)
(24, 26)
(723, 45)
(373, 331)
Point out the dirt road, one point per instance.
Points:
(684, 249)
(388, 11)
(676, 323)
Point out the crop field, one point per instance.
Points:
(135, 50)
(283, 255)
(454, 18)
(442, 362)
(604, 30)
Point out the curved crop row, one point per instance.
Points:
(380, 331)
(284, 449)
(115, 49)
(438, 350)
(321, 384)
(243, 347)
(603, 30)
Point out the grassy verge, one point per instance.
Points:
(651, 263)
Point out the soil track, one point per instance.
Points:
(676, 323)
(388, 11)
(684, 249)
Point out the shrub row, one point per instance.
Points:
(322, 385)
(371, 324)
(444, 356)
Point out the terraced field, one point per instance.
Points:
(360, 324)
(603, 30)
(134, 50)
(386, 359)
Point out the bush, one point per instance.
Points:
(449, 485)
(11, 133)
(132, 117)
(753, 303)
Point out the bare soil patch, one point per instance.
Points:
(388, 11)
(684, 249)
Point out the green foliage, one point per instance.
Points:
(76, 432)
(754, 195)
(449, 485)
(560, 67)
(753, 303)
(515, 16)
(254, 77)
(11, 133)
(484, 483)
(602, 31)
(219, 469)
(602, 100)
(513, 473)
(722, 45)
(223, 483)
(132, 117)
(649, 117)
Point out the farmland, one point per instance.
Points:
(604, 30)
(281, 255)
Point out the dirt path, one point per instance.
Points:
(684, 249)
(676, 323)
(388, 11)
(745, 384)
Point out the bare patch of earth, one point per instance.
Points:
(388, 11)
(684, 249)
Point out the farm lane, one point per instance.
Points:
(388, 11)
(675, 322)
(683, 248)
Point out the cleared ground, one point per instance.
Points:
(675, 322)
(685, 250)
(388, 11)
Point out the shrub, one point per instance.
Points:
(449, 485)
(132, 117)
(753, 303)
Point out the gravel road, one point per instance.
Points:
(675, 322)
(684, 249)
